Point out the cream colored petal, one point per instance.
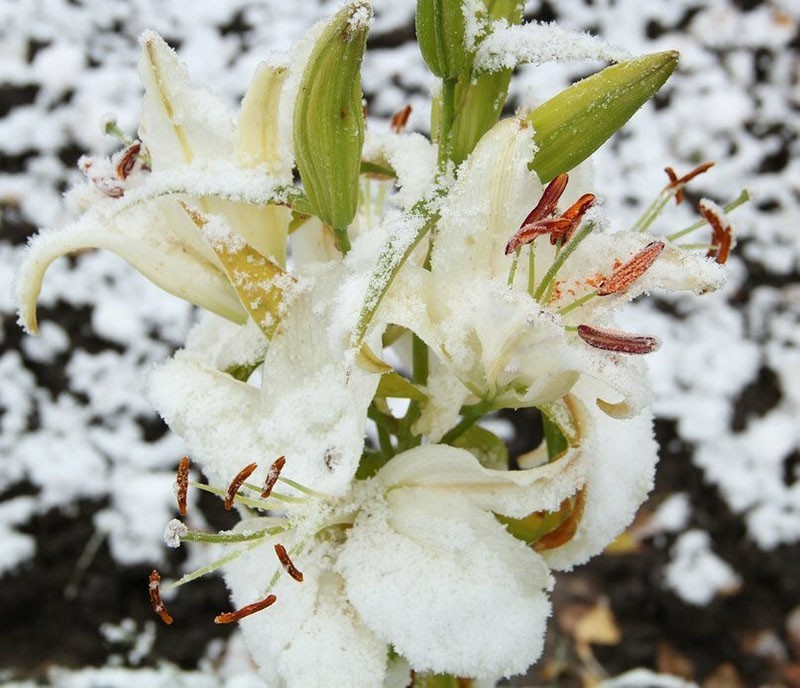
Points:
(494, 193)
(258, 136)
(511, 493)
(141, 239)
(180, 122)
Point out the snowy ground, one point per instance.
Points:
(75, 428)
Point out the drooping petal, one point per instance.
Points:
(446, 585)
(142, 240)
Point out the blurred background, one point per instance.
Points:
(705, 586)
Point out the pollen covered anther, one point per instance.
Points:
(721, 231)
(154, 588)
(627, 273)
(287, 563)
(273, 474)
(182, 483)
(236, 483)
(618, 342)
(547, 203)
(247, 610)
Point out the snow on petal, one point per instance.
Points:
(507, 46)
(446, 585)
(143, 241)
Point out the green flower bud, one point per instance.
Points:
(441, 34)
(329, 119)
(571, 126)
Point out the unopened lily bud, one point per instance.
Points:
(329, 120)
(441, 34)
(571, 126)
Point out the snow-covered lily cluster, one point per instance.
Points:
(405, 288)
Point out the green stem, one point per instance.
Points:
(531, 268)
(577, 302)
(546, 286)
(228, 538)
(446, 117)
(419, 357)
(470, 415)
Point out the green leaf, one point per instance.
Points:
(485, 446)
(571, 126)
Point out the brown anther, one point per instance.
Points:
(128, 160)
(247, 610)
(676, 182)
(574, 214)
(629, 272)
(286, 562)
(527, 233)
(721, 233)
(400, 119)
(182, 481)
(273, 474)
(547, 203)
(155, 597)
(619, 342)
(236, 483)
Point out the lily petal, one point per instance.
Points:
(141, 239)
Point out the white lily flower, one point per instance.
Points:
(193, 152)
(504, 331)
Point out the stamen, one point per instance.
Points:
(629, 272)
(743, 198)
(674, 181)
(155, 597)
(672, 189)
(574, 214)
(721, 232)
(286, 562)
(231, 617)
(182, 481)
(128, 160)
(273, 474)
(547, 203)
(556, 227)
(619, 342)
(236, 483)
(400, 119)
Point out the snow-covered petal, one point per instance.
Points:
(446, 585)
(311, 636)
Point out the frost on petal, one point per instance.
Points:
(446, 585)
(619, 457)
(507, 46)
(493, 194)
(142, 240)
(216, 416)
(311, 636)
(180, 122)
(314, 399)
